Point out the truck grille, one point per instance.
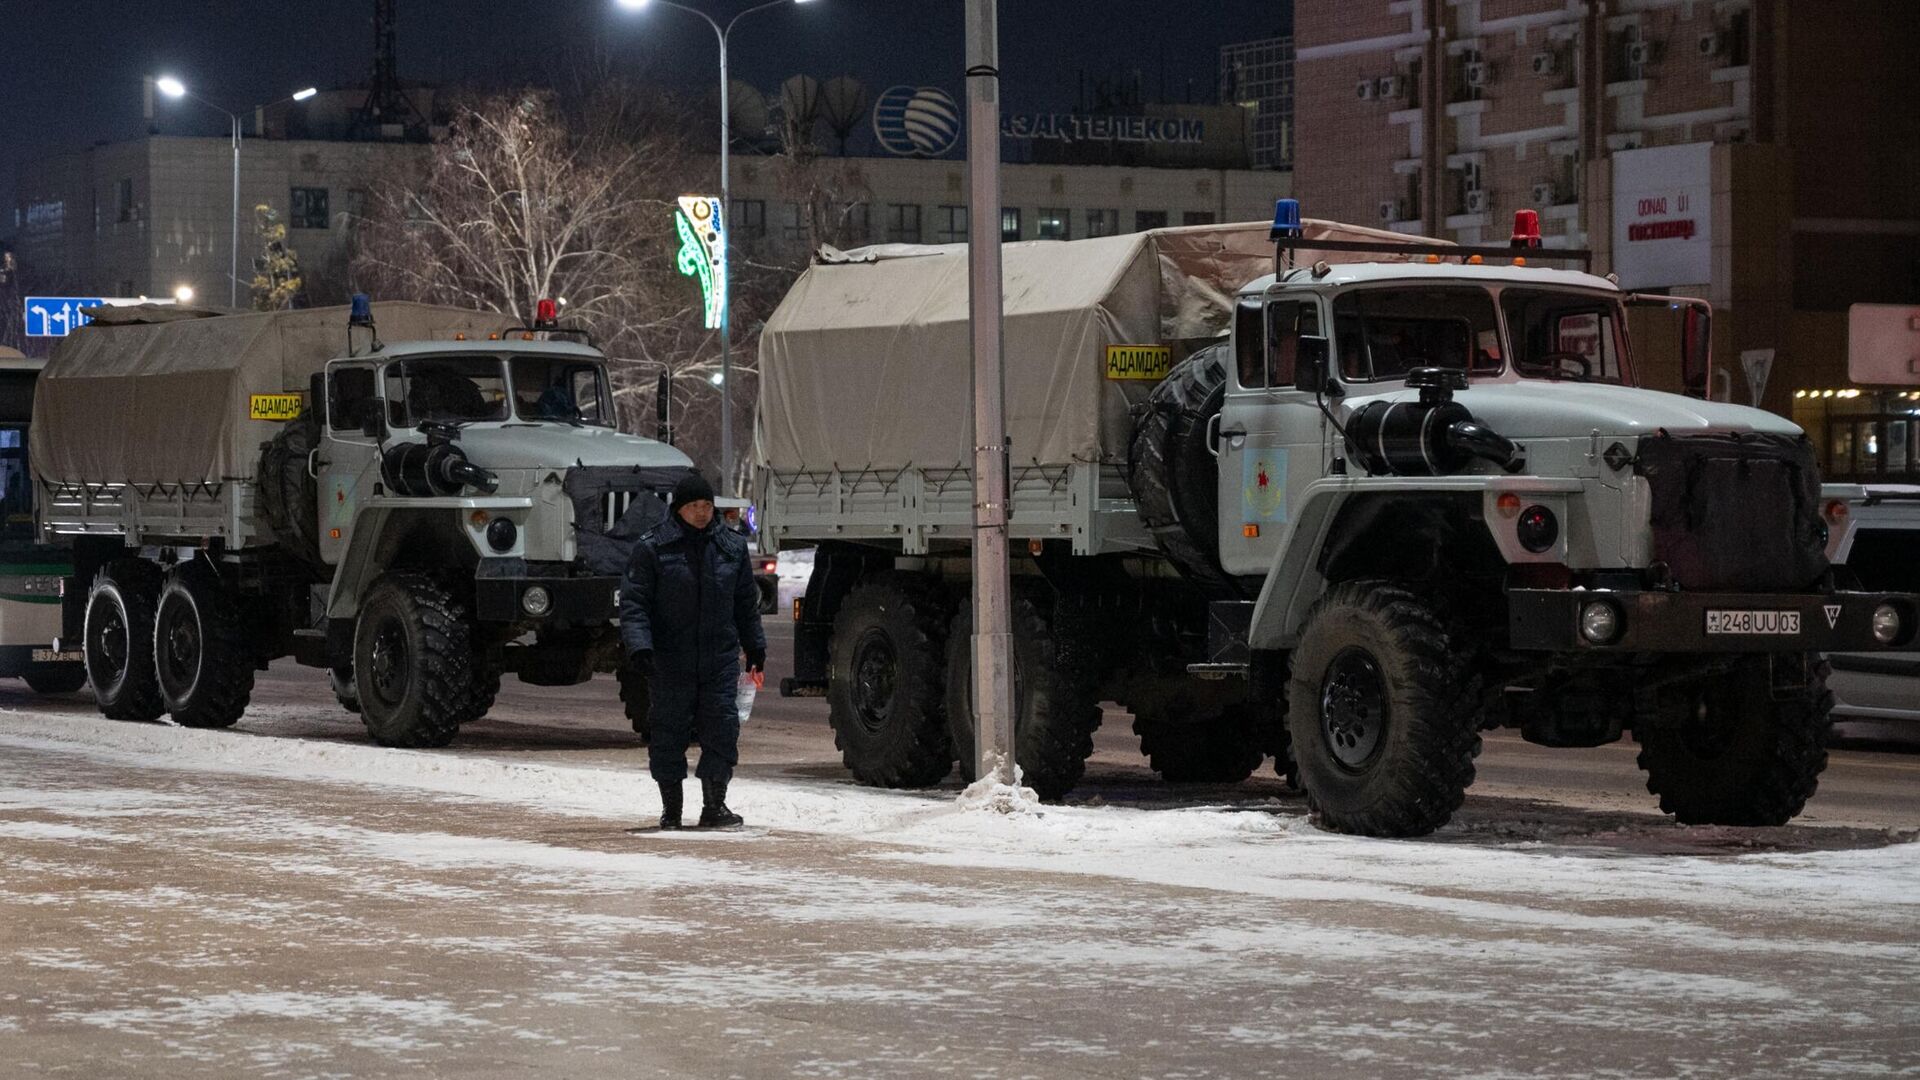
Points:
(613, 507)
(1735, 512)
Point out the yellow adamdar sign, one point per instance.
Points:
(1148, 363)
(275, 406)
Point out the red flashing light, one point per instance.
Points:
(1526, 228)
(546, 313)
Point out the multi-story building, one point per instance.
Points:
(1260, 74)
(1753, 152)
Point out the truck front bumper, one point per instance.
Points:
(1556, 620)
(567, 599)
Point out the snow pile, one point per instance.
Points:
(990, 795)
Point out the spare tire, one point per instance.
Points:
(1173, 473)
(290, 495)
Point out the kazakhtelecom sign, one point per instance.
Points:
(1069, 127)
(924, 121)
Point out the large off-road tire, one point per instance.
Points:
(288, 492)
(200, 653)
(119, 640)
(482, 691)
(636, 698)
(887, 681)
(346, 689)
(1728, 751)
(1173, 473)
(1055, 708)
(1382, 713)
(1199, 733)
(57, 679)
(413, 661)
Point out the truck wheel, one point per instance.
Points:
(119, 640)
(64, 679)
(1189, 739)
(289, 494)
(636, 697)
(482, 692)
(887, 674)
(200, 652)
(1055, 708)
(1382, 716)
(346, 691)
(1728, 751)
(412, 661)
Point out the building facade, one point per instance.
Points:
(1259, 74)
(147, 216)
(1747, 151)
(855, 201)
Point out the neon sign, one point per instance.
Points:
(703, 252)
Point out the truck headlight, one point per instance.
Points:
(1886, 624)
(536, 601)
(501, 534)
(1600, 623)
(1537, 528)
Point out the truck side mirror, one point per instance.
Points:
(1696, 348)
(1310, 365)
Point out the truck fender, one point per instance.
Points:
(417, 532)
(1294, 582)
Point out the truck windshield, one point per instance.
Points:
(1383, 333)
(1563, 335)
(561, 389)
(458, 389)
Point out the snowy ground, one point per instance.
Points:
(187, 903)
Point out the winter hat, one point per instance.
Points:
(692, 488)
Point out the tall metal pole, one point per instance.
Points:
(726, 286)
(233, 258)
(992, 592)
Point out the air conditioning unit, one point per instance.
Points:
(1546, 63)
(1392, 86)
(1365, 90)
(1479, 201)
(1392, 210)
(1545, 195)
(1479, 74)
(1712, 44)
(1642, 53)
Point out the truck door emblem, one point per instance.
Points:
(1833, 615)
(1262, 495)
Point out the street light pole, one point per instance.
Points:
(722, 34)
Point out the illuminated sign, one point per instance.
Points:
(916, 121)
(1663, 216)
(1067, 127)
(703, 252)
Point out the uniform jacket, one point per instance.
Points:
(693, 618)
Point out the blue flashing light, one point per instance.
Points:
(362, 311)
(1286, 220)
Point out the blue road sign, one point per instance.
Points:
(58, 316)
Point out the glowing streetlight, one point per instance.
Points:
(302, 95)
(171, 86)
(184, 294)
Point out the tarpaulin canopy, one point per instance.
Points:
(866, 363)
(166, 399)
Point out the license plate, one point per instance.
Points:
(48, 656)
(1754, 623)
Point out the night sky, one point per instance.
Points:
(70, 70)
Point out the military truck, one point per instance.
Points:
(415, 499)
(1340, 497)
(33, 575)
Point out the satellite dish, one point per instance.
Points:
(800, 102)
(747, 114)
(843, 101)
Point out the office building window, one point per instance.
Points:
(1149, 219)
(856, 222)
(307, 208)
(123, 198)
(1050, 223)
(1196, 217)
(1103, 222)
(950, 224)
(793, 225)
(1009, 223)
(749, 217)
(903, 223)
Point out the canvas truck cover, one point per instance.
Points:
(163, 395)
(866, 363)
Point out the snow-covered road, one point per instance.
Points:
(178, 902)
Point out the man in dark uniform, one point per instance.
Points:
(688, 609)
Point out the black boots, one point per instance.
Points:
(715, 815)
(672, 801)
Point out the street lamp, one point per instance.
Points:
(183, 294)
(175, 89)
(725, 380)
